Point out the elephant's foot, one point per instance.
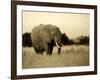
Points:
(39, 52)
(48, 53)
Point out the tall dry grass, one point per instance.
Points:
(72, 55)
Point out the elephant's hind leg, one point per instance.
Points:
(39, 51)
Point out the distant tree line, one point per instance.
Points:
(81, 40)
(26, 40)
(66, 40)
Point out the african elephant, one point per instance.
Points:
(44, 37)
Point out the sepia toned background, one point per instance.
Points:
(74, 25)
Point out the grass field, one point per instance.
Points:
(71, 55)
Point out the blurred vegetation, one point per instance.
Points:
(26, 40)
(81, 40)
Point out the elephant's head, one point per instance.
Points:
(52, 33)
(56, 36)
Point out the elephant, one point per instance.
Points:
(44, 37)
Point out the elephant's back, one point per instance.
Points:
(35, 32)
(35, 37)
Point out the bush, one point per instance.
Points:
(84, 40)
(26, 40)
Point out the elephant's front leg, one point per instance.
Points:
(48, 49)
(51, 47)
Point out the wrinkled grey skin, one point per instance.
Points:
(44, 37)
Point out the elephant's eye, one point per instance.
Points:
(53, 32)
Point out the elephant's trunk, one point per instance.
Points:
(59, 50)
(59, 46)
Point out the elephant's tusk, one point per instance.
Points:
(57, 45)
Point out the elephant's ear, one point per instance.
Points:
(45, 35)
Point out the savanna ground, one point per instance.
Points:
(71, 55)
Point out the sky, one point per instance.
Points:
(73, 24)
